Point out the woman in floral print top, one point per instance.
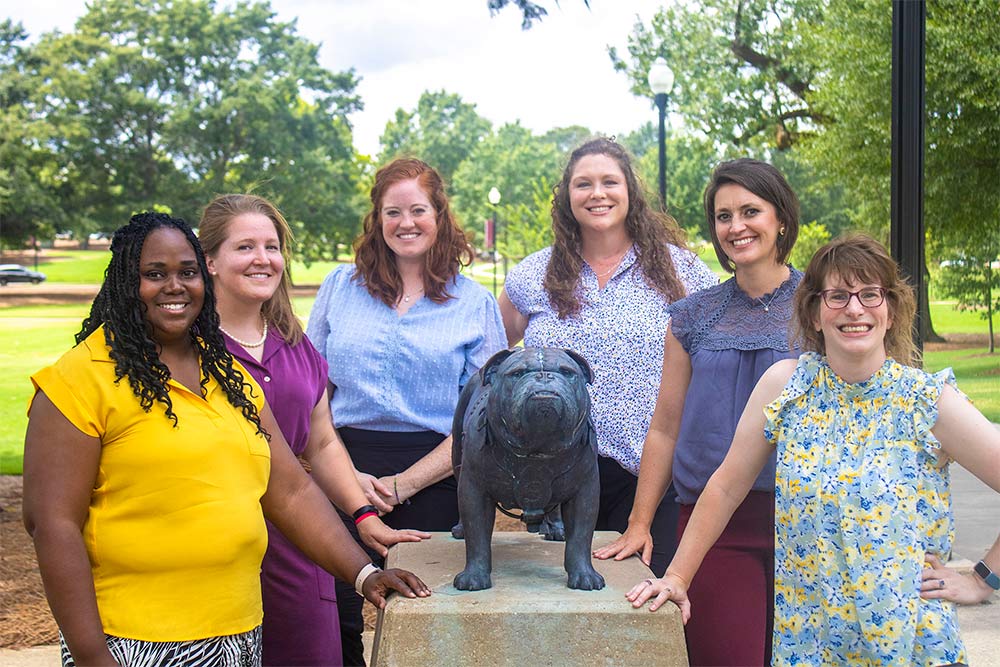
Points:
(863, 512)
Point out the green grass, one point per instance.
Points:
(978, 375)
(75, 266)
(32, 337)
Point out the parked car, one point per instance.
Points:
(15, 273)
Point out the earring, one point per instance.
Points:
(781, 231)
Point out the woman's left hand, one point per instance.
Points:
(380, 537)
(942, 583)
(398, 492)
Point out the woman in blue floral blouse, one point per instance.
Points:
(862, 491)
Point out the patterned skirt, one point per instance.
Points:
(242, 650)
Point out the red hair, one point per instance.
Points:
(375, 261)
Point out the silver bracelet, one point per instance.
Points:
(362, 577)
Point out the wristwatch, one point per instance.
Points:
(987, 575)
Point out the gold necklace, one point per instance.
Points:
(245, 343)
(612, 269)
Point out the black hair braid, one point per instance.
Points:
(122, 313)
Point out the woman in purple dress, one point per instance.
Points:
(246, 241)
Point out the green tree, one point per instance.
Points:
(813, 76)
(741, 73)
(531, 12)
(513, 160)
(442, 131)
(812, 236)
(526, 227)
(172, 102)
(973, 277)
(29, 172)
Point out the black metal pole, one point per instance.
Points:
(906, 232)
(661, 105)
(494, 252)
(505, 254)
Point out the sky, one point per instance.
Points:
(555, 75)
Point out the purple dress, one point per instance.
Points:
(301, 625)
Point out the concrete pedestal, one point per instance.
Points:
(529, 617)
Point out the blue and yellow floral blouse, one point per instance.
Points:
(862, 491)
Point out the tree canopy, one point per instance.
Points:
(168, 103)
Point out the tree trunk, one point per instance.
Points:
(927, 333)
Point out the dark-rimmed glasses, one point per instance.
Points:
(869, 297)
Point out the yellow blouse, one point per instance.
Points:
(175, 531)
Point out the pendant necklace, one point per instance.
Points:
(406, 297)
(245, 343)
(767, 306)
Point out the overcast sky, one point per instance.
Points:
(554, 75)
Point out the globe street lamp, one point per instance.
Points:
(494, 199)
(661, 80)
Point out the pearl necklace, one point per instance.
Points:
(245, 343)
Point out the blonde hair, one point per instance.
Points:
(212, 232)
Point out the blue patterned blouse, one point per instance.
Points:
(862, 492)
(394, 373)
(619, 330)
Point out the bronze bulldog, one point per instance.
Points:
(523, 438)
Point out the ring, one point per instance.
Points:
(941, 582)
(649, 582)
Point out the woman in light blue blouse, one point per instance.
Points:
(403, 332)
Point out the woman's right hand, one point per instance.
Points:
(379, 584)
(635, 540)
(670, 587)
(375, 491)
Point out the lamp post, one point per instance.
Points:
(661, 80)
(494, 199)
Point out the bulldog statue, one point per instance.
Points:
(523, 438)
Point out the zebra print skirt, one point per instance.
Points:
(242, 650)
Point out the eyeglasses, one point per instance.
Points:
(869, 297)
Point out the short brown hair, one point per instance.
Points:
(374, 259)
(858, 258)
(212, 232)
(767, 183)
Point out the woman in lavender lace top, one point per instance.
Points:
(603, 289)
(719, 343)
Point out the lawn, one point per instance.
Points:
(32, 337)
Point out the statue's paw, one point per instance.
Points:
(586, 580)
(554, 531)
(474, 580)
(458, 531)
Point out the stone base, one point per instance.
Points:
(528, 618)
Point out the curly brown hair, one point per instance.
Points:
(649, 230)
(212, 231)
(857, 259)
(375, 261)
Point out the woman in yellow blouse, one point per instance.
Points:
(150, 462)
